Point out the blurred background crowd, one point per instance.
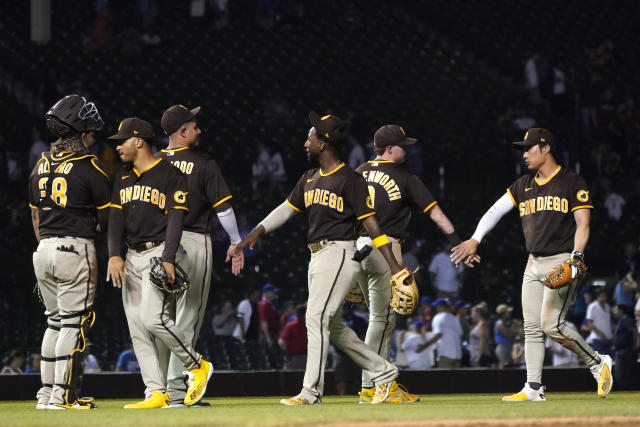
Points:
(465, 78)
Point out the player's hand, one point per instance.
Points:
(116, 271)
(170, 270)
(236, 258)
(465, 252)
(251, 240)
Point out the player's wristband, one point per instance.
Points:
(577, 255)
(381, 240)
(453, 238)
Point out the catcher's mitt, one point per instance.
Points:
(404, 290)
(159, 278)
(565, 273)
(355, 295)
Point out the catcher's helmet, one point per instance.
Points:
(73, 114)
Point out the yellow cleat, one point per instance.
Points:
(527, 394)
(297, 400)
(198, 379)
(157, 399)
(602, 374)
(391, 392)
(366, 395)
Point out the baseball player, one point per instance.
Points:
(207, 189)
(393, 191)
(147, 210)
(554, 207)
(68, 196)
(336, 199)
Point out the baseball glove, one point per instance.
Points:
(159, 278)
(355, 295)
(565, 273)
(404, 292)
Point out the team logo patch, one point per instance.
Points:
(583, 195)
(180, 196)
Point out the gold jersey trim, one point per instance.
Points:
(582, 207)
(180, 207)
(329, 173)
(291, 205)
(215, 205)
(365, 215)
(103, 206)
(147, 168)
(32, 207)
(511, 197)
(173, 150)
(380, 161)
(430, 206)
(100, 170)
(548, 179)
(113, 205)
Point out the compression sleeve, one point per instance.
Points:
(228, 221)
(277, 217)
(492, 216)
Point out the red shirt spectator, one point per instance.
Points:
(294, 337)
(268, 315)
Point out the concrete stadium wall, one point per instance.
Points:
(282, 383)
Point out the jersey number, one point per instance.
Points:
(185, 167)
(371, 201)
(58, 190)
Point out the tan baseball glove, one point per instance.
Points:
(565, 273)
(404, 292)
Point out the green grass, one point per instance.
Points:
(266, 411)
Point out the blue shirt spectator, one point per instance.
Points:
(127, 362)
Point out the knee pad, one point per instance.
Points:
(76, 358)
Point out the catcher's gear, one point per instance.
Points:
(565, 273)
(72, 115)
(160, 280)
(404, 290)
(355, 295)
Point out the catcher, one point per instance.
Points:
(554, 207)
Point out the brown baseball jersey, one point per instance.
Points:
(79, 187)
(334, 202)
(207, 188)
(546, 210)
(393, 191)
(145, 198)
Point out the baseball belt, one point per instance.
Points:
(143, 246)
(316, 246)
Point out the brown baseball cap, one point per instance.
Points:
(535, 136)
(329, 128)
(391, 135)
(175, 116)
(133, 127)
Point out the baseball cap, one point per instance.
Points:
(535, 136)
(461, 303)
(133, 127)
(391, 135)
(441, 301)
(269, 287)
(417, 324)
(425, 300)
(503, 308)
(329, 128)
(175, 116)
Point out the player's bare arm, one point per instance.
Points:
(35, 222)
(583, 218)
(373, 230)
(441, 220)
(250, 240)
(116, 271)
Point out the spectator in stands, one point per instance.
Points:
(425, 311)
(461, 311)
(356, 154)
(411, 258)
(268, 316)
(625, 342)
(91, 364)
(531, 78)
(562, 357)
(225, 322)
(260, 169)
(277, 173)
(599, 323)
(517, 350)
(560, 102)
(13, 363)
(447, 333)
(504, 335)
(293, 341)
(419, 347)
(127, 361)
(248, 327)
(479, 350)
(288, 313)
(446, 278)
(614, 203)
(347, 373)
(396, 353)
(38, 146)
(625, 291)
(584, 297)
(34, 364)
(628, 261)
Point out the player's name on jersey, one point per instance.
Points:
(388, 183)
(547, 203)
(185, 167)
(142, 193)
(324, 198)
(43, 168)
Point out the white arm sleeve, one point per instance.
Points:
(277, 217)
(228, 221)
(492, 216)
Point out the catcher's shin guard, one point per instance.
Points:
(74, 360)
(48, 359)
